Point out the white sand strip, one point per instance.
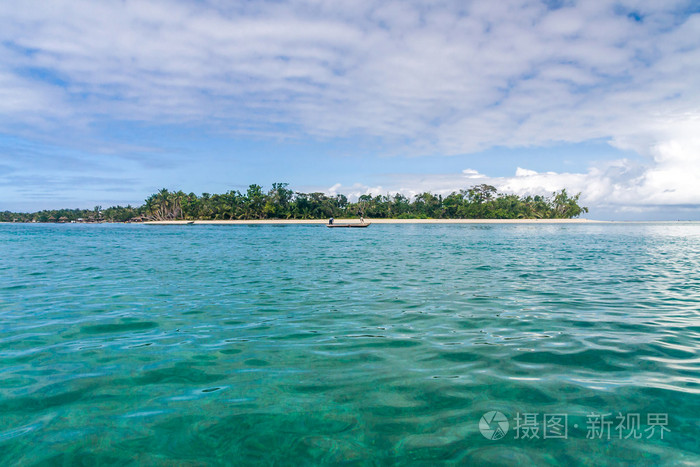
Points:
(379, 221)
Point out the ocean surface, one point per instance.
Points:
(396, 344)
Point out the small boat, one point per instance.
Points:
(365, 224)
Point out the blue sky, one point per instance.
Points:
(106, 102)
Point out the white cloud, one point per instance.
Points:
(471, 173)
(423, 77)
(520, 172)
(669, 178)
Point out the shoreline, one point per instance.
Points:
(375, 221)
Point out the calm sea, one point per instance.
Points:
(407, 344)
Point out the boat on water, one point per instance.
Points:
(365, 224)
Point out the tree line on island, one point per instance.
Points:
(477, 202)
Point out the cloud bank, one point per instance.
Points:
(418, 78)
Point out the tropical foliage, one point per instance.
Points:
(478, 202)
(112, 214)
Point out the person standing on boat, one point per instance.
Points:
(330, 221)
(362, 220)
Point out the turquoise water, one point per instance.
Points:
(295, 345)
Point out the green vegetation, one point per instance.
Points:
(112, 214)
(478, 202)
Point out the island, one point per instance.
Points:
(280, 204)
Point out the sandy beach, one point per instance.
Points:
(378, 221)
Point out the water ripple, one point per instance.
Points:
(299, 343)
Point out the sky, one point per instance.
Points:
(104, 103)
